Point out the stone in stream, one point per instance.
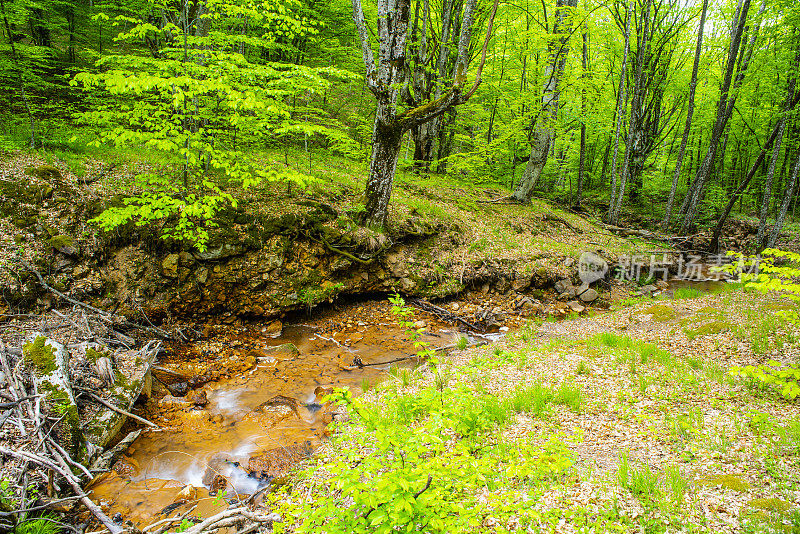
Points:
(287, 351)
(276, 463)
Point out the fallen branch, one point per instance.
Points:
(118, 409)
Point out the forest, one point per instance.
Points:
(687, 107)
(377, 266)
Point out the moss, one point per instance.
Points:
(44, 172)
(40, 355)
(661, 313)
(714, 327)
(61, 241)
(731, 482)
(710, 311)
(93, 355)
(770, 505)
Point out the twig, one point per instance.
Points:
(40, 507)
(118, 409)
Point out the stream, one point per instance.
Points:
(258, 413)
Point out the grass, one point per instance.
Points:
(686, 293)
(534, 400)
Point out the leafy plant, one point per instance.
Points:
(773, 375)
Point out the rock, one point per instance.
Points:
(455, 306)
(109, 457)
(575, 306)
(420, 324)
(198, 398)
(581, 289)
(485, 288)
(202, 275)
(406, 284)
(562, 286)
(502, 285)
(287, 351)
(178, 389)
(273, 329)
(662, 284)
(590, 295)
(171, 400)
(187, 494)
(568, 294)
(569, 262)
(217, 253)
(521, 283)
(648, 289)
(169, 265)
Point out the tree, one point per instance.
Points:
(192, 93)
(689, 113)
(387, 81)
(622, 103)
(544, 121)
(725, 106)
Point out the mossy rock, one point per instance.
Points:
(40, 356)
(661, 312)
(44, 172)
(772, 505)
(731, 482)
(714, 327)
(61, 242)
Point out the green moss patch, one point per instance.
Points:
(40, 355)
(44, 172)
(770, 505)
(731, 482)
(661, 312)
(714, 327)
(61, 241)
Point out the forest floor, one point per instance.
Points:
(625, 421)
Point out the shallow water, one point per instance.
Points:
(258, 422)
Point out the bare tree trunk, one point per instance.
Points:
(634, 133)
(542, 138)
(622, 105)
(724, 110)
(743, 184)
(690, 111)
(582, 159)
(767, 194)
(387, 81)
(787, 199)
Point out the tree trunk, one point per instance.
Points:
(787, 199)
(386, 141)
(542, 138)
(725, 107)
(767, 194)
(690, 111)
(634, 160)
(582, 159)
(622, 105)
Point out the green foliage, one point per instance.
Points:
(198, 100)
(772, 375)
(46, 524)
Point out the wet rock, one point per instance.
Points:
(280, 400)
(170, 400)
(590, 295)
(198, 398)
(273, 329)
(287, 351)
(178, 389)
(187, 494)
(277, 462)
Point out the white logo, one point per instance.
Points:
(591, 268)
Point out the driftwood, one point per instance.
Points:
(444, 315)
(37, 447)
(120, 410)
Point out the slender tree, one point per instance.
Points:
(689, 114)
(543, 135)
(622, 105)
